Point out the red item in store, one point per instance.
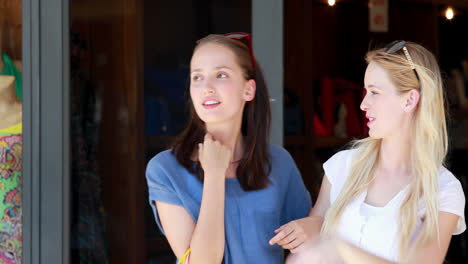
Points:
(335, 91)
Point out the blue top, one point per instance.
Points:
(250, 216)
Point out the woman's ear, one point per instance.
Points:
(250, 89)
(412, 100)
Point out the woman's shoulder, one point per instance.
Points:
(277, 151)
(451, 197)
(164, 169)
(341, 158)
(163, 157)
(448, 182)
(282, 163)
(337, 167)
(163, 161)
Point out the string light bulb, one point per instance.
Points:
(331, 2)
(449, 13)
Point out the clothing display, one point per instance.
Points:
(11, 228)
(338, 93)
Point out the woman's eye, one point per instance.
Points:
(373, 93)
(196, 78)
(222, 75)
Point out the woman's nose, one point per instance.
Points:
(364, 104)
(209, 89)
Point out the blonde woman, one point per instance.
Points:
(389, 199)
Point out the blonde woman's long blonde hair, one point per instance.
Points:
(428, 151)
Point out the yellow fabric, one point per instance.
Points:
(15, 129)
(184, 257)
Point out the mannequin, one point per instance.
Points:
(11, 141)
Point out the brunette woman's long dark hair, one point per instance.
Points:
(255, 165)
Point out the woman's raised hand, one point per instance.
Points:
(213, 156)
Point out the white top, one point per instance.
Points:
(375, 229)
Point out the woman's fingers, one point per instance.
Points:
(294, 244)
(285, 231)
(288, 239)
(279, 229)
(214, 157)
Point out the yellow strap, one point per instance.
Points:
(182, 259)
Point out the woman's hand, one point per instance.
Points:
(293, 234)
(316, 251)
(213, 156)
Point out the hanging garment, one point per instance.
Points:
(11, 142)
(11, 70)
